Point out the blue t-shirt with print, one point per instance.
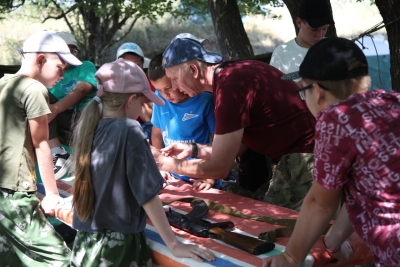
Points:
(192, 121)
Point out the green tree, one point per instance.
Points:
(7, 6)
(390, 12)
(96, 22)
(227, 20)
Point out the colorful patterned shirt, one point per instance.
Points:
(357, 146)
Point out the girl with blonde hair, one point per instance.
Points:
(116, 178)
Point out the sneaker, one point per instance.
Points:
(61, 164)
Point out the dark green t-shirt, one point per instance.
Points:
(73, 75)
(21, 99)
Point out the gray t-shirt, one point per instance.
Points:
(124, 177)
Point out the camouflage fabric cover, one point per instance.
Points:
(291, 179)
(26, 237)
(111, 249)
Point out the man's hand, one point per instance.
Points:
(178, 151)
(202, 184)
(50, 202)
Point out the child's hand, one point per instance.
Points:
(64, 213)
(343, 255)
(192, 251)
(167, 176)
(49, 203)
(202, 184)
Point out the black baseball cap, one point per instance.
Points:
(329, 59)
(316, 12)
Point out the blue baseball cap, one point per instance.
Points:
(135, 49)
(184, 49)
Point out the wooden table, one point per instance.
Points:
(227, 255)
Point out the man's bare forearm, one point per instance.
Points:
(205, 151)
(197, 168)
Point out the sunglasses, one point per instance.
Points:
(302, 91)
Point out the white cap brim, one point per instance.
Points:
(70, 59)
(146, 63)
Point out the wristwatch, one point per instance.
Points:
(195, 150)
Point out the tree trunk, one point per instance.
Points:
(390, 12)
(294, 8)
(228, 26)
(96, 31)
(90, 32)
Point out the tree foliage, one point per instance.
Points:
(227, 20)
(188, 8)
(7, 6)
(96, 22)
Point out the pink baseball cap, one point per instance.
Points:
(124, 76)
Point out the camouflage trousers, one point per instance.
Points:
(291, 179)
(111, 249)
(26, 237)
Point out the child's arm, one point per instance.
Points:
(81, 89)
(147, 111)
(156, 213)
(156, 138)
(39, 134)
(335, 239)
